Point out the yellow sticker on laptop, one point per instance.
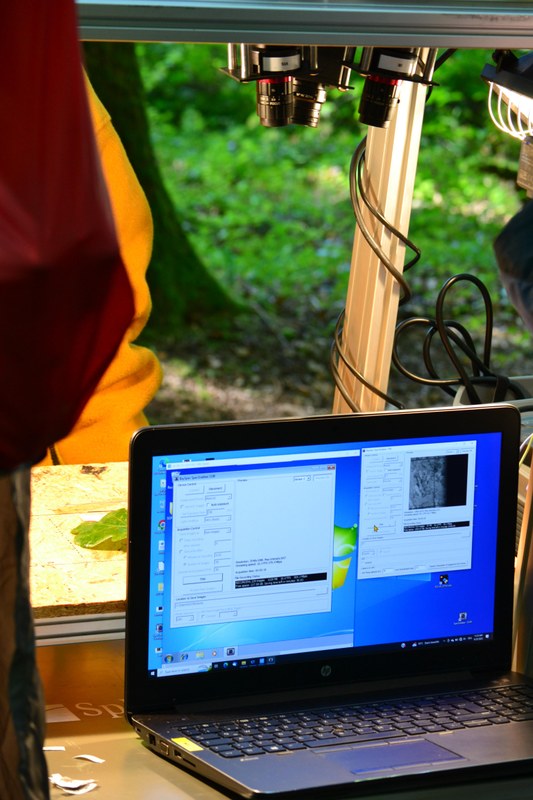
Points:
(187, 744)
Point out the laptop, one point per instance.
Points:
(325, 603)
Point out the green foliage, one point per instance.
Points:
(179, 77)
(459, 89)
(109, 533)
(465, 192)
(269, 210)
(181, 288)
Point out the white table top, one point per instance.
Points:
(84, 697)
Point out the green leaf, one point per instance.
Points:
(110, 530)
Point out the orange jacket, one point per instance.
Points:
(115, 410)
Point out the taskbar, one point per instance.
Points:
(181, 665)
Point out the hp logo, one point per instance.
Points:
(326, 671)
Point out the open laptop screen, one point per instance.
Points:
(261, 556)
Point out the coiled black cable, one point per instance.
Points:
(456, 340)
(359, 195)
(453, 336)
(337, 354)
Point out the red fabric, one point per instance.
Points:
(65, 299)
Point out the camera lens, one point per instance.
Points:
(275, 101)
(308, 99)
(379, 97)
(277, 59)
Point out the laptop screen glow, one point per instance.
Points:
(260, 556)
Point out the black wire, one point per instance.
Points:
(431, 330)
(447, 336)
(357, 191)
(454, 337)
(444, 57)
(337, 350)
(438, 63)
(426, 350)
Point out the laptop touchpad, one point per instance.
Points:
(376, 758)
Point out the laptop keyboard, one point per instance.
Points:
(351, 724)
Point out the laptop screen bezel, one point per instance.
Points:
(148, 694)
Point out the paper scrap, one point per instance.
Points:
(72, 786)
(94, 759)
(83, 790)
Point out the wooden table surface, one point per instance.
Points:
(66, 579)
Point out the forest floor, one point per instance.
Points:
(256, 371)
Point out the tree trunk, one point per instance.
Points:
(182, 288)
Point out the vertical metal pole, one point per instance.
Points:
(232, 57)
(373, 294)
(523, 590)
(245, 62)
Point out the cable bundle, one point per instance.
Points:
(472, 371)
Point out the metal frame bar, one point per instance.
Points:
(83, 628)
(373, 293)
(418, 23)
(523, 589)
